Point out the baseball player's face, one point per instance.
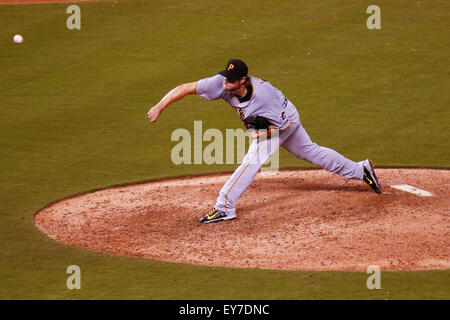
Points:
(232, 85)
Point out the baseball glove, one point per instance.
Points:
(256, 123)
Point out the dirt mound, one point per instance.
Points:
(293, 220)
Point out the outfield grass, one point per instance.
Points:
(73, 110)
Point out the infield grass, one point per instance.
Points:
(73, 110)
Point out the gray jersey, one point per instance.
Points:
(266, 100)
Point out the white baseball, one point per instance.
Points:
(18, 38)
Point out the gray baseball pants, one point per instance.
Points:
(296, 140)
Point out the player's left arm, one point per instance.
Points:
(254, 134)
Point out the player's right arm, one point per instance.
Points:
(174, 95)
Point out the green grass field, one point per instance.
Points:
(73, 110)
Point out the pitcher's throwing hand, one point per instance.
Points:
(154, 113)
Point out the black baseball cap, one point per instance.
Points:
(235, 70)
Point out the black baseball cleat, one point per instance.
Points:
(215, 215)
(370, 178)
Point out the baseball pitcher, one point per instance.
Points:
(272, 120)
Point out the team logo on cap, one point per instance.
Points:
(231, 66)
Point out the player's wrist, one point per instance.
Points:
(161, 106)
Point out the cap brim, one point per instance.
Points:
(227, 75)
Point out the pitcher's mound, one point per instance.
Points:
(292, 220)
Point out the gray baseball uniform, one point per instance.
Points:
(269, 102)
